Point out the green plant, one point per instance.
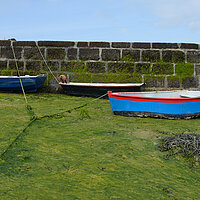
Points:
(184, 69)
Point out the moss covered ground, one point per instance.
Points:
(98, 157)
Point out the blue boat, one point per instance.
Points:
(180, 104)
(30, 83)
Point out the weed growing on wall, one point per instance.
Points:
(184, 69)
(128, 58)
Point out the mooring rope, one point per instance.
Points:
(36, 43)
(99, 97)
(28, 107)
(18, 72)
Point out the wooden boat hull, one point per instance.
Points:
(97, 89)
(12, 83)
(144, 106)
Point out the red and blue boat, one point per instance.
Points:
(180, 104)
(30, 83)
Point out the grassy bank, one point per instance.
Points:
(101, 157)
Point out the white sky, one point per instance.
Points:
(101, 20)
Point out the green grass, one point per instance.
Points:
(101, 157)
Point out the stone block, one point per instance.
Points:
(173, 56)
(33, 53)
(12, 65)
(155, 81)
(6, 73)
(197, 69)
(56, 43)
(135, 78)
(111, 54)
(3, 65)
(96, 67)
(53, 65)
(163, 68)
(72, 53)
(164, 45)
(121, 44)
(130, 55)
(193, 56)
(82, 44)
(81, 77)
(5, 42)
(32, 73)
(99, 44)
(151, 55)
(73, 67)
(6, 52)
(190, 82)
(89, 54)
(143, 68)
(116, 78)
(173, 82)
(120, 68)
(15, 73)
(189, 46)
(34, 66)
(24, 43)
(56, 54)
(141, 45)
(53, 85)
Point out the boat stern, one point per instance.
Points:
(40, 79)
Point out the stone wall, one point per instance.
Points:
(159, 65)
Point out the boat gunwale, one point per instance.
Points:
(114, 85)
(26, 76)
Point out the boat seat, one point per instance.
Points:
(187, 96)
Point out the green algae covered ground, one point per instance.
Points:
(90, 153)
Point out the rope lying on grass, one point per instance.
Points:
(34, 118)
(187, 145)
